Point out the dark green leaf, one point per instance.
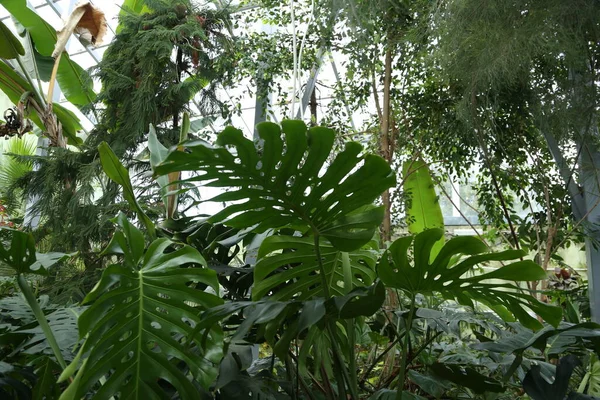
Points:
(22, 257)
(467, 377)
(431, 385)
(442, 276)
(10, 46)
(286, 181)
(539, 389)
(134, 329)
(46, 387)
(119, 174)
(298, 263)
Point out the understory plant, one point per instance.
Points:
(280, 295)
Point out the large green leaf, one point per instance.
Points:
(45, 386)
(443, 276)
(297, 268)
(423, 209)
(158, 153)
(133, 7)
(284, 180)
(63, 323)
(467, 377)
(74, 82)
(22, 257)
(119, 174)
(10, 46)
(538, 388)
(15, 86)
(523, 339)
(293, 317)
(136, 328)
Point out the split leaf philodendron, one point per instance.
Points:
(446, 275)
(141, 310)
(287, 179)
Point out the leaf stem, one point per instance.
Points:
(326, 293)
(402, 375)
(41, 319)
(331, 328)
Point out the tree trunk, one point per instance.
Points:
(384, 141)
(590, 181)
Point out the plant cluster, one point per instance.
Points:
(299, 287)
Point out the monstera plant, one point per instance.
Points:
(448, 272)
(136, 333)
(288, 179)
(318, 204)
(447, 275)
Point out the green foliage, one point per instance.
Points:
(423, 210)
(73, 80)
(12, 169)
(343, 271)
(118, 173)
(22, 256)
(142, 314)
(286, 175)
(10, 46)
(538, 388)
(15, 87)
(141, 77)
(446, 275)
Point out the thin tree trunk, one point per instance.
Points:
(313, 107)
(384, 141)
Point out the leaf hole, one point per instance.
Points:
(127, 357)
(125, 336)
(155, 325)
(153, 347)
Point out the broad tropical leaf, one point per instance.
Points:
(284, 180)
(158, 153)
(298, 316)
(64, 326)
(137, 327)
(538, 388)
(423, 209)
(467, 377)
(10, 46)
(134, 7)
(443, 276)
(298, 273)
(15, 86)
(119, 174)
(22, 257)
(74, 82)
(542, 340)
(46, 386)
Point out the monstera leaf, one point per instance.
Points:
(22, 257)
(448, 278)
(285, 180)
(344, 271)
(135, 329)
